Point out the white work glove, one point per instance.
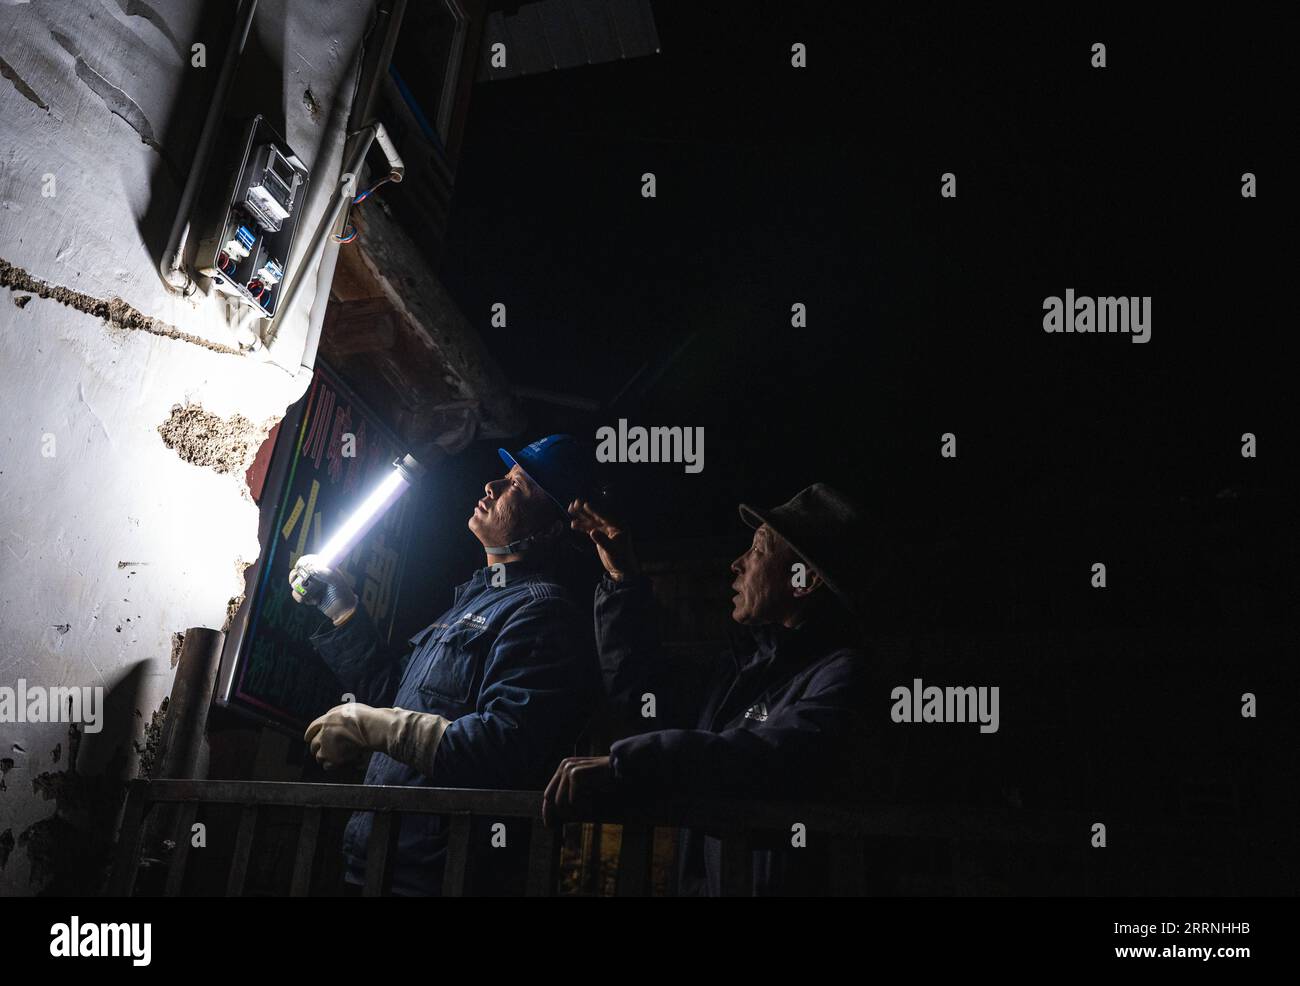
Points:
(324, 588)
(347, 734)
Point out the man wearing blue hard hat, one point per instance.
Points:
(490, 695)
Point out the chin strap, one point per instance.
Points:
(523, 544)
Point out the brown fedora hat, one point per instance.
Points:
(831, 533)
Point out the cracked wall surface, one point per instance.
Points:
(225, 445)
(131, 412)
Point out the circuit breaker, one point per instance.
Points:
(253, 205)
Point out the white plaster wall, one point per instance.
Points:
(113, 491)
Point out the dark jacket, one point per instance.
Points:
(511, 666)
(788, 721)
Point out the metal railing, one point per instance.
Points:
(313, 800)
(741, 826)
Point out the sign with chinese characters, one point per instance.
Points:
(340, 451)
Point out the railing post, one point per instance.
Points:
(308, 834)
(589, 858)
(180, 854)
(456, 867)
(543, 860)
(381, 853)
(126, 862)
(636, 848)
(243, 850)
(737, 866)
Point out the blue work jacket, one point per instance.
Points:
(512, 667)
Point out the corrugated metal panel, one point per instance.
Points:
(555, 34)
(560, 34)
(633, 22)
(596, 27)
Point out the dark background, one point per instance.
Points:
(821, 185)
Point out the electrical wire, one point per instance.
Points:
(366, 194)
(350, 231)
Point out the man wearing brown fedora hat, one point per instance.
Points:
(785, 722)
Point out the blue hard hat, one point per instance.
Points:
(560, 464)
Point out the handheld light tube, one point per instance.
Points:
(405, 472)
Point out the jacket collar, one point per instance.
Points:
(785, 646)
(781, 653)
(523, 570)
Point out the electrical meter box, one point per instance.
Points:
(248, 217)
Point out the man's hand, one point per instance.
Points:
(575, 781)
(347, 734)
(613, 544)
(321, 586)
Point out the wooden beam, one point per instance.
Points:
(360, 326)
(416, 293)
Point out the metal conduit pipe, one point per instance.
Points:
(171, 265)
(363, 131)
